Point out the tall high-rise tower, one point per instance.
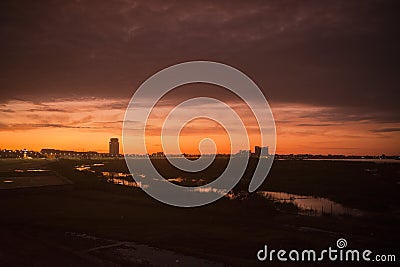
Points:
(114, 146)
(261, 151)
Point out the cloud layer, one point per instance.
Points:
(323, 53)
(326, 64)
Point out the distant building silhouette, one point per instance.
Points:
(158, 155)
(244, 153)
(261, 151)
(23, 153)
(114, 146)
(56, 153)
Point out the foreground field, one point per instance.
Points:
(227, 231)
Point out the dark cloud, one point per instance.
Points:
(54, 125)
(48, 110)
(120, 105)
(7, 110)
(24, 127)
(329, 53)
(316, 124)
(386, 130)
(351, 114)
(18, 126)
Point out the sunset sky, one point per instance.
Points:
(329, 69)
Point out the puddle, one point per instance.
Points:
(83, 168)
(118, 178)
(116, 174)
(123, 182)
(31, 170)
(311, 205)
(88, 167)
(177, 180)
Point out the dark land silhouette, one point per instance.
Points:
(47, 226)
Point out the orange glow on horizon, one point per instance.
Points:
(87, 125)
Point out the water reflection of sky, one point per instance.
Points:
(308, 205)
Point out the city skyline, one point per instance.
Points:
(297, 130)
(256, 150)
